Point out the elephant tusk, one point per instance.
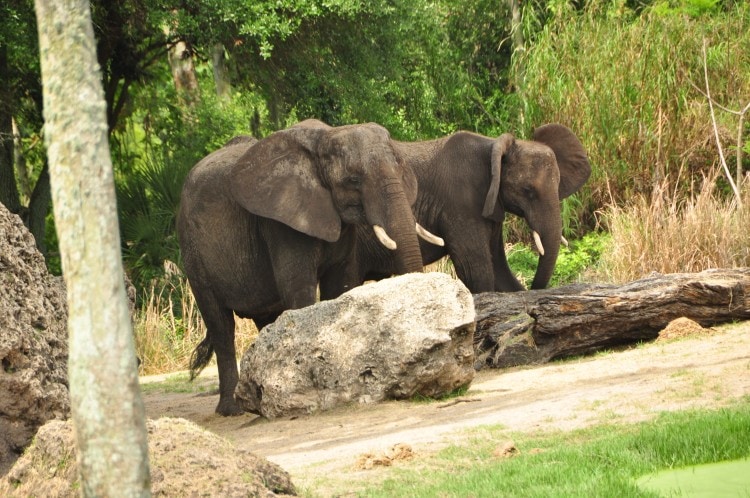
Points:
(538, 242)
(564, 241)
(429, 237)
(383, 237)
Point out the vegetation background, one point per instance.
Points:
(658, 91)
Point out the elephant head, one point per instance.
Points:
(529, 179)
(313, 177)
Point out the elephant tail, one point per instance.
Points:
(200, 357)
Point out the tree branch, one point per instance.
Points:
(716, 130)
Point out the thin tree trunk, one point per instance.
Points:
(39, 205)
(106, 402)
(183, 71)
(8, 189)
(221, 73)
(19, 163)
(180, 56)
(516, 31)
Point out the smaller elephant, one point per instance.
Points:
(467, 183)
(261, 224)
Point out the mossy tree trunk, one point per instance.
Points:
(106, 403)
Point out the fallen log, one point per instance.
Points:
(532, 327)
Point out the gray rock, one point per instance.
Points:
(393, 339)
(33, 341)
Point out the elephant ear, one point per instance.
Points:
(570, 154)
(277, 178)
(408, 179)
(492, 208)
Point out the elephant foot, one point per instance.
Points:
(229, 408)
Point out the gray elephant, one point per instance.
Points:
(261, 224)
(467, 183)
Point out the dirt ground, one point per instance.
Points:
(706, 369)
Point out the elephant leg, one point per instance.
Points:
(226, 360)
(295, 259)
(220, 334)
(471, 257)
(505, 281)
(341, 277)
(338, 280)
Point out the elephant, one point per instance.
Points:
(467, 183)
(261, 224)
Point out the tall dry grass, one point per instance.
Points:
(667, 233)
(168, 327)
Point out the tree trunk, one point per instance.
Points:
(516, 31)
(8, 189)
(183, 72)
(19, 163)
(221, 73)
(534, 327)
(106, 403)
(39, 205)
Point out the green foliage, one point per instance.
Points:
(583, 255)
(692, 8)
(572, 262)
(153, 153)
(623, 74)
(523, 261)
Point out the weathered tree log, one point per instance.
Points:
(533, 327)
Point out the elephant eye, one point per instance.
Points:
(353, 181)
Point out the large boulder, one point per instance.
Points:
(401, 337)
(33, 341)
(184, 459)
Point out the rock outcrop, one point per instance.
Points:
(184, 460)
(33, 341)
(401, 337)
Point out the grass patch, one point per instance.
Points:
(180, 383)
(604, 460)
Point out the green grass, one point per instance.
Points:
(601, 461)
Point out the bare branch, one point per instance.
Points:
(716, 130)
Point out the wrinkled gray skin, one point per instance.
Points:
(261, 224)
(467, 183)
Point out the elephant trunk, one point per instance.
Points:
(551, 237)
(400, 225)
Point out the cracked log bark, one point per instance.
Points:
(532, 327)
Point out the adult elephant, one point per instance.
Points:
(467, 184)
(260, 224)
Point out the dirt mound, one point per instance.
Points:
(33, 343)
(185, 460)
(682, 327)
(397, 452)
